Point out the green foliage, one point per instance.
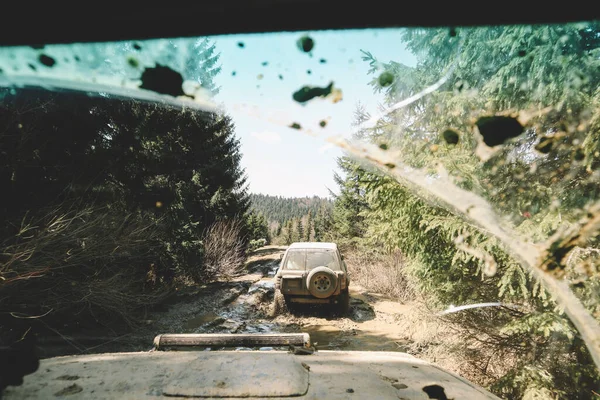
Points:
(446, 259)
(495, 69)
(288, 235)
(256, 244)
(308, 231)
(322, 224)
(294, 219)
(258, 228)
(348, 220)
(299, 231)
(171, 171)
(280, 209)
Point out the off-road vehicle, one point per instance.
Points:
(166, 372)
(531, 120)
(313, 273)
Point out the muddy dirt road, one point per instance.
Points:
(244, 305)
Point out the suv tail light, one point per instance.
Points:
(342, 279)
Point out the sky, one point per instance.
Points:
(256, 83)
(277, 159)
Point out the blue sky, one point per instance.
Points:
(279, 160)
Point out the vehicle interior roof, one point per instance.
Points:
(61, 23)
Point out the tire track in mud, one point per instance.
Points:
(244, 305)
(370, 324)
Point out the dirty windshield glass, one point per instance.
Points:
(151, 187)
(296, 259)
(321, 258)
(308, 259)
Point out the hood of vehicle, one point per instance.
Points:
(234, 374)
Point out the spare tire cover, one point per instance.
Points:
(321, 282)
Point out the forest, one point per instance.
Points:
(288, 220)
(109, 203)
(542, 177)
(280, 209)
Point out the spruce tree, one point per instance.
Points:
(299, 230)
(497, 71)
(309, 228)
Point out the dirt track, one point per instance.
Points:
(243, 305)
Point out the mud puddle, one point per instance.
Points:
(243, 305)
(200, 320)
(245, 313)
(370, 323)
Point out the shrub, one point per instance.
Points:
(224, 251)
(380, 273)
(256, 244)
(79, 265)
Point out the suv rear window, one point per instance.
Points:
(295, 260)
(303, 259)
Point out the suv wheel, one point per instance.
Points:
(321, 282)
(279, 304)
(343, 302)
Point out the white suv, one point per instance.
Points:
(315, 273)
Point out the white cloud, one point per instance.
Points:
(267, 136)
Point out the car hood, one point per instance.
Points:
(235, 374)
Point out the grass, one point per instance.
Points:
(381, 274)
(444, 341)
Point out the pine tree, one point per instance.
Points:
(257, 227)
(299, 230)
(289, 232)
(349, 204)
(201, 64)
(323, 224)
(141, 181)
(195, 59)
(309, 228)
(280, 209)
(509, 68)
(266, 233)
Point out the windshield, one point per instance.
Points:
(305, 260)
(456, 168)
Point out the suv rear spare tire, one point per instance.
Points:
(321, 282)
